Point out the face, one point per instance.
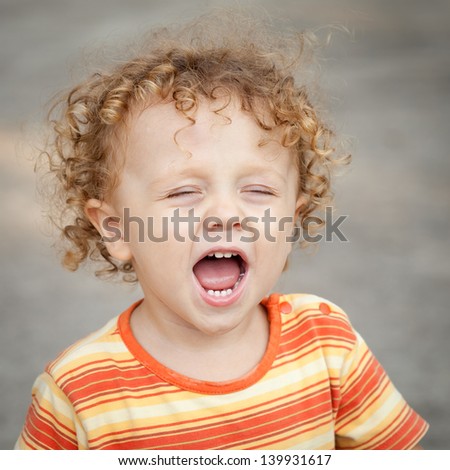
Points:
(209, 207)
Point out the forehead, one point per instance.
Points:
(160, 135)
(162, 123)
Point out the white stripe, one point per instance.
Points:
(77, 355)
(319, 442)
(300, 300)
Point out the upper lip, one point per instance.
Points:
(224, 249)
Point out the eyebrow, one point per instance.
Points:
(200, 172)
(266, 172)
(180, 174)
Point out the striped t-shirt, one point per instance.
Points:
(318, 386)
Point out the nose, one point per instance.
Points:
(224, 214)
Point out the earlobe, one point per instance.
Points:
(93, 211)
(108, 224)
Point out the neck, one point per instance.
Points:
(189, 351)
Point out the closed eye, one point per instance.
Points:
(187, 191)
(181, 193)
(263, 190)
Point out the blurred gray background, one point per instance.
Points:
(389, 89)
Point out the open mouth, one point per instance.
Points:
(220, 273)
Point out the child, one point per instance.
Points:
(189, 168)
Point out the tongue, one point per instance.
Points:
(217, 273)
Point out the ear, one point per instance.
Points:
(108, 224)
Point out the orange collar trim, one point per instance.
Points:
(272, 306)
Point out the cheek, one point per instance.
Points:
(277, 226)
(157, 228)
(273, 242)
(158, 263)
(272, 260)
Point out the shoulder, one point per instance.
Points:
(322, 318)
(99, 350)
(313, 304)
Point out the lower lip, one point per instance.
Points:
(221, 301)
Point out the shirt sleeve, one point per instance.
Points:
(51, 422)
(372, 414)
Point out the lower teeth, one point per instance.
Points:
(225, 292)
(220, 293)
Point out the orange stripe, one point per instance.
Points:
(46, 433)
(398, 422)
(88, 369)
(110, 384)
(351, 416)
(298, 432)
(119, 398)
(352, 401)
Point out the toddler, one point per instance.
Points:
(191, 168)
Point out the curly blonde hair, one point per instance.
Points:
(218, 54)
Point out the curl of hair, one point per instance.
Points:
(215, 56)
